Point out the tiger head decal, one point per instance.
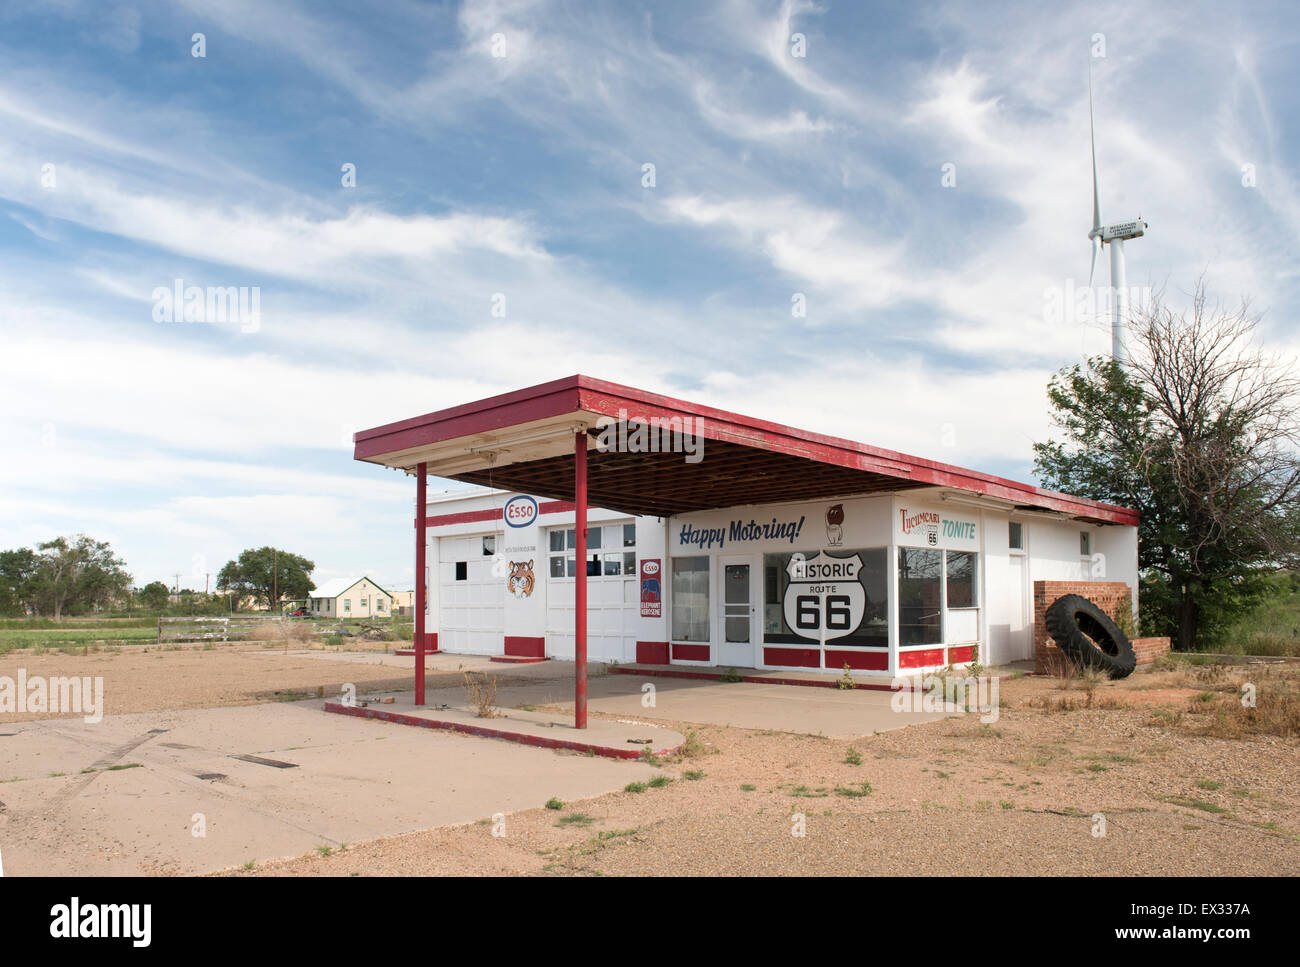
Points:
(521, 578)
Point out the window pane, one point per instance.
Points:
(557, 540)
(690, 599)
(462, 570)
(629, 562)
(872, 631)
(557, 567)
(593, 566)
(613, 564)
(919, 616)
(735, 588)
(962, 586)
(489, 546)
(1016, 536)
(593, 538)
(1085, 543)
(570, 537)
(570, 567)
(629, 535)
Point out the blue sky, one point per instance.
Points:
(127, 163)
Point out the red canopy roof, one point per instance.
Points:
(523, 441)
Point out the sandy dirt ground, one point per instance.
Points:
(1090, 792)
(1123, 784)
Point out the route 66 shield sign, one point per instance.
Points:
(824, 599)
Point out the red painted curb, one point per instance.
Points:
(757, 679)
(401, 718)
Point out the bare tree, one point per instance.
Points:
(1200, 434)
(1223, 439)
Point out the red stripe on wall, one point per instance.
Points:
(795, 657)
(652, 652)
(965, 653)
(919, 659)
(492, 513)
(690, 652)
(875, 661)
(525, 646)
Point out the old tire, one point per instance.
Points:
(1087, 635)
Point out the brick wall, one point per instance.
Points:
(1149, 649)
(1113, 597)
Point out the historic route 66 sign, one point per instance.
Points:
(824, 599)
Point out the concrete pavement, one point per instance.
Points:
(322, 780)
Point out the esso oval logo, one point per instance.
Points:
(520, 511)
(650, 567)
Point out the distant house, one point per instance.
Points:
(404, 603)
(350, 598)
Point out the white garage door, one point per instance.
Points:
(613, 599)
(471, 600)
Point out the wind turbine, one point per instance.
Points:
(1114, 236)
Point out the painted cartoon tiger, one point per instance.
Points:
(521, 578)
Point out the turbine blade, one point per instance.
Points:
(1092, 137)
(1096, 247)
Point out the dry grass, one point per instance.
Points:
(1235, 701)
(1074, 703)
(280, 632)
(1276, 712)
(481, 689)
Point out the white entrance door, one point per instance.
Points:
(1011, 633)
(1022, 632)
(737, 645)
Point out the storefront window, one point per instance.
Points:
(872, 631)
(601, 559)
(962, 584)
(920, 618)
(690, 599)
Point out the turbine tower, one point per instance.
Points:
(1114, 236)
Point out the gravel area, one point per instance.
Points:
(1017, 797)
(152, 679)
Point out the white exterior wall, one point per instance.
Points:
(485, 611)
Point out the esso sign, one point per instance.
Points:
(650, 568)
(520, 511)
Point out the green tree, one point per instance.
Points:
(77, 574)
(267, 573)
(17, 573)
(154, 596)
(1199, 435)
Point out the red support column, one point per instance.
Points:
(421, 590)
(580, 581)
